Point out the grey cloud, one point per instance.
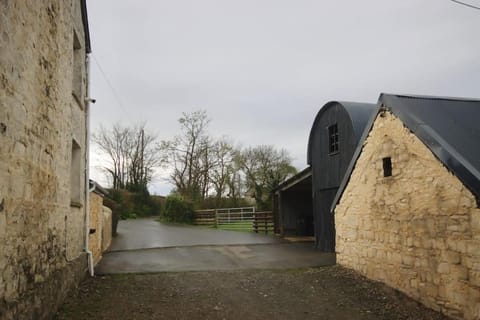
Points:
(262, 69)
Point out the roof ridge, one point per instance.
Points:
(427, 97)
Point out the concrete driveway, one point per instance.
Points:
(146, 245)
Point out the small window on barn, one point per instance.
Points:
(387, 167)
(333, 139)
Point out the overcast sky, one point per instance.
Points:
(262, 69)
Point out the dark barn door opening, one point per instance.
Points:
(294, 206)
(297, 213)
(324, 220)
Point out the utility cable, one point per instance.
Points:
(114, 92)
(466, 4)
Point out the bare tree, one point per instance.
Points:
(113, 144)
(187, 154)
(132, 155)
(265, 167)
(144, 158)
(202, 166)
(222, 167)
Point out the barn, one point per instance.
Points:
(303, 202)
(408, 206)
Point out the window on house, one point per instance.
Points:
(333, 139)
(387, 167)
(77, 78)
(76, 175)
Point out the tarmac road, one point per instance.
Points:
(146, 245)
(149, 233)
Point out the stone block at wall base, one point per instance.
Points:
(43, 301)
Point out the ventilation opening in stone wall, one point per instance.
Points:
(387, 167)
(77, 79)
(75, 175)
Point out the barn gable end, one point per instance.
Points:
(416, 229)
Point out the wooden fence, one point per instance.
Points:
(263, 222)
(239, 219)
(205, 218)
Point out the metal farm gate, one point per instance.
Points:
(236, 219)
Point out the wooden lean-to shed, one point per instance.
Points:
(293, 206)
(334, 136)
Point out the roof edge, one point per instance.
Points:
(346, 105)
(97, 188)
(86, 30)
(413, 96)
(446, 154)
(356, 154)
(305, 173)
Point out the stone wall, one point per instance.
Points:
(417, 230)
(96, 219)
(100, 221)
(42, 56)
(106, 229)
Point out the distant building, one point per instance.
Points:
(43, 154)
(408, 207)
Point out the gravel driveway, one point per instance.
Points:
(311, 293)
(228, 275)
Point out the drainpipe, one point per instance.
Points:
(87, 171)
(87, 229)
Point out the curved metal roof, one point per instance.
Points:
(449, 127)
(359, 113)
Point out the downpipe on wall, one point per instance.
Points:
(87, 171)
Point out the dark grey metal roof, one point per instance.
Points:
(449, 127)
(98, 188)
(298, 178)
(359, 114)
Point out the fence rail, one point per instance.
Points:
(241, 219)
(205, 217)
(263, 222)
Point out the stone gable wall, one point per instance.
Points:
(417, 230)
(41, 233)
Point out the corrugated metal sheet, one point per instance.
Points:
(328, 168)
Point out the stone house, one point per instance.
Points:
(44, 48)
(408, 208)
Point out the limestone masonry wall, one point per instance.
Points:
(417, 230)
(101, 221)
(41, 228)
(106, 228)
(96, 219)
